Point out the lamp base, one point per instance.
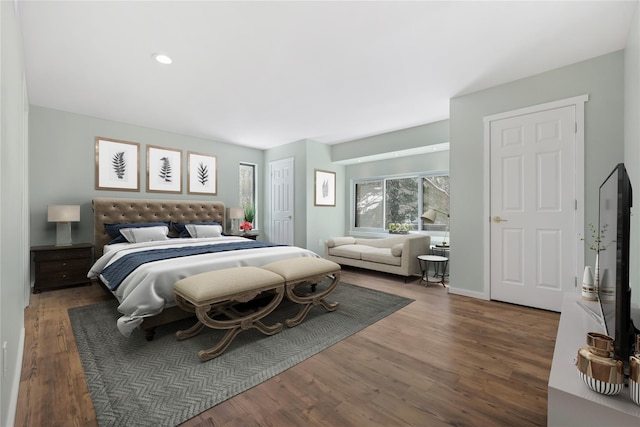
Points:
(63, 234)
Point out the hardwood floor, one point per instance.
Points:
(443, 360)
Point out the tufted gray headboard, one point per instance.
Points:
(115, 211)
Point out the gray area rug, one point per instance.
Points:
(162, 383)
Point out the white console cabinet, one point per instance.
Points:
(570, 401)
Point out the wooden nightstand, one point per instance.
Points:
(253, 235)
(61, 266)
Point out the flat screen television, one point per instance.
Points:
(614, 224)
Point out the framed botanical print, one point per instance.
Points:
(202, 174)
(325, 188)
(117, 165)
(164, 170)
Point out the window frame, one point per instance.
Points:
(383, 179)
(255, 190)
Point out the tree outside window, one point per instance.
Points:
(369, 211)
(401, 202)
(248, 188)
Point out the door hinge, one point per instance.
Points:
(575, 207)
(575, 281)
(576, 127)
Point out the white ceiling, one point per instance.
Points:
(263, 74)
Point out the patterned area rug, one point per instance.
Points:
(162, 383)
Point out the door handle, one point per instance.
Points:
(498, 219)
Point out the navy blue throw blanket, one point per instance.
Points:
(116, 272)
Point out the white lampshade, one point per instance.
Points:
(429, 216)
(236, 213)
(63, 213)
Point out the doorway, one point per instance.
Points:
(535, 208)
(282, 187)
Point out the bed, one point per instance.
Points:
(145, 293)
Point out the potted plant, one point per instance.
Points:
(249, 213)
(397, 228)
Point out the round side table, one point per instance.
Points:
(424, 261)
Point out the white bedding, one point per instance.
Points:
(149, 288)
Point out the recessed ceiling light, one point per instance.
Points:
(162, 58)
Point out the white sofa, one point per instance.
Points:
(396, 255)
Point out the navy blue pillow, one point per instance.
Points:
(180, 227)
(114, 229)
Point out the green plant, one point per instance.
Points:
(249, 212)
(597, 238)
(396, 227)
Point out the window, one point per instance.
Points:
(401, 201)
(435, 195)
(384, 200)
(248, 188)
(369, 204)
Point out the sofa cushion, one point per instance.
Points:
(339, 241)
(350, 251)
(396, 250)
(382, 256)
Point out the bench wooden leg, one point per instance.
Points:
(309, 301)
(191, 332)
(234, 323)
(195, 329)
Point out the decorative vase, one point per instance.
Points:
(634, 374)
(607, 289)
(589, 292)
(597, 367)
(596, 275)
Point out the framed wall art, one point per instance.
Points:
(202, 174)
(325, 188)
(117, 165)
(164, 170)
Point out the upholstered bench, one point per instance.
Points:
(215, 293)
(299, 271)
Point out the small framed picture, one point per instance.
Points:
(117, 165)
(202, 174)
(325, 188)
(164, 170)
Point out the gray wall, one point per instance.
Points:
(632, 143)
(415, 137)
(602, 78)
(312, 224)
(14, 232)
(62, 167)
(323, 222)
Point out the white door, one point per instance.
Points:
(533, 207)
(281, 173)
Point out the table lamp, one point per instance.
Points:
(430, 217)
(236, 214)
(63, 215)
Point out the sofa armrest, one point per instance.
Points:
(415, 245)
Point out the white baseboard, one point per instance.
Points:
(468, 293)
(15, 382)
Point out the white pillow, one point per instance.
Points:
(196, 230)
(396, 250)
(339, 241)
(145, 234)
